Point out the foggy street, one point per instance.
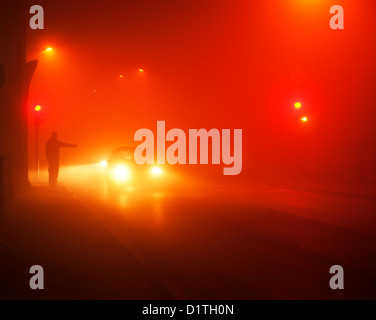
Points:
(187, 151)
(209, 241)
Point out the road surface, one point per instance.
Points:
(206, 241)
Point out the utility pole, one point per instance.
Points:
(37, 122)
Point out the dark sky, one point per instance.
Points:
(222, 64)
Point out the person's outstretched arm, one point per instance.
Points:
(67, 145)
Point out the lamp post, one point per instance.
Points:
(37, 122)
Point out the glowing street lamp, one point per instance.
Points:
(297, 105)
(304, 119)
(141, 70)
(49, 49)
(45, 50)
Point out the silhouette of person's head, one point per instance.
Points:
(54, 136)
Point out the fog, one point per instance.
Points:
(217, 64)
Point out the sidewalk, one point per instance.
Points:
(81, 259)
(354, 189)
(344, 188)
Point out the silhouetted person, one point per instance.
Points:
(53, 155)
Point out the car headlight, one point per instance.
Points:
(121, 173)
(156, 171)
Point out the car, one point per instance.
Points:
(122, 170)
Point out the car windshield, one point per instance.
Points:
(122, 154)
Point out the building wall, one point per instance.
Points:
(13, 95)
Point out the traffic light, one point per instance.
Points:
(38, 115)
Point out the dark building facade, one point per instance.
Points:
(15, 76)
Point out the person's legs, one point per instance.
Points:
(53, 170)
